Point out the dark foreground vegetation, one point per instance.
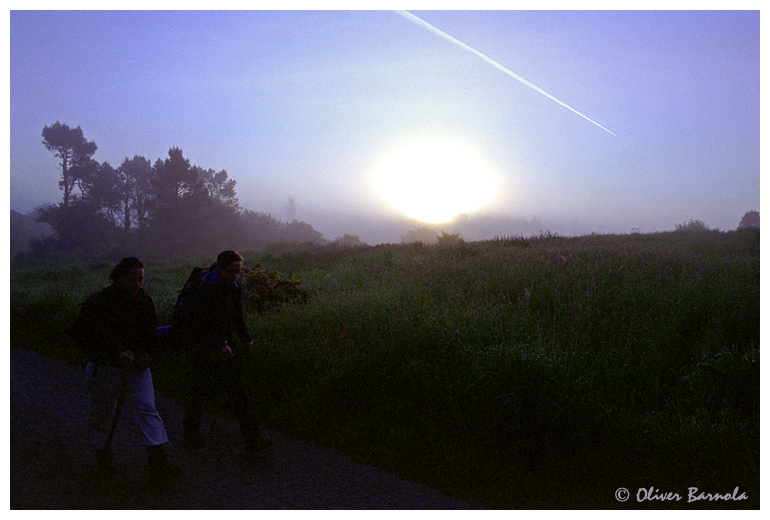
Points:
(541, 372)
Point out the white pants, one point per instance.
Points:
(104, 384)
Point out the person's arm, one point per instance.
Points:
(240, 323)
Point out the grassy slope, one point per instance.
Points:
(536, 373)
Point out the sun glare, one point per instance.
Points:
(434, 180)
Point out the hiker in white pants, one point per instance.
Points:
(117, 329)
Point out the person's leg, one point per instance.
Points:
(103, 383)
(141, 396)
(198, 379)
(245, 409)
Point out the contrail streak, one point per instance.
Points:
(422, 23)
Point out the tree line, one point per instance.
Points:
(167, 208)
(172, 208)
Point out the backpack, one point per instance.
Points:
(183, 316)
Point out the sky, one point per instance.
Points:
(309, 105)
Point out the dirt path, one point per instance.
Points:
(51, 465)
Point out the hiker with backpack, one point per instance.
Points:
(210, 312)
(116, 328)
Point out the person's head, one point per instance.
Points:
(129, 274)
(229, 265)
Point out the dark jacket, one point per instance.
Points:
(218, 312)
(116, 322)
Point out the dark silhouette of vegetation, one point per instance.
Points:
(749, 220)
(135, 184)
(79, 226)
(25, 229)
(449, 238)
(74, 152)
(424, 234)
(347, 240)
(692, 225)
(167, 208)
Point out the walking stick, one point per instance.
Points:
(118, 404)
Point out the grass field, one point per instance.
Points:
(540, 372)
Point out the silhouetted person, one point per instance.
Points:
(117, 329)
(214, 357)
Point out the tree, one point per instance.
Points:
(175, 209)
(291, 209)
(217, 226)
(103, 188)
(174, 178)
(258, 229)
(219, 187)
(692, 225)
(78, 227)
(74, 152)
(423, 233)
(749, 220)
(134, 177)
(298, 231)
(193, 208)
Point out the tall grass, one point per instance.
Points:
(526, 372)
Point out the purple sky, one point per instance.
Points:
(302, 104)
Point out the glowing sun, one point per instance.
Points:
(434, 180)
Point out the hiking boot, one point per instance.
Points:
(161, 470)
(104, 466)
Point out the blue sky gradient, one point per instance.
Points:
(302, 104)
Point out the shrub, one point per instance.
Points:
(692, 225)
(449, 238)
(266, 290)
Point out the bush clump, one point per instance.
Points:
(267, 291)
